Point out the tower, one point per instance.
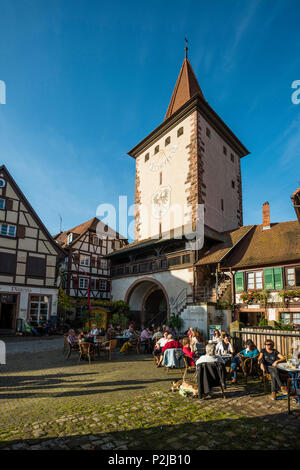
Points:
(191, 158)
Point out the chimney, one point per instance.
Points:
(266, 216)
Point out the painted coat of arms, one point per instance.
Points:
(161, 202)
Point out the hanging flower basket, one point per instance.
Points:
(255, 297)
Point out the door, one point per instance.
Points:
(7, 316)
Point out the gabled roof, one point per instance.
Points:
(295, 197)
(279, 244)
(26, 203)
(80, 230)
(218, 252)
(186, 87)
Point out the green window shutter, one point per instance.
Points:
(278, 278)
(239, 282)
(269, 279)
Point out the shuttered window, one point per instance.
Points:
(8, 262)
(239, 282)
(269, 279)
(278, 278)
(35, 267)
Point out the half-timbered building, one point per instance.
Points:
(28, 261)
(86, 270)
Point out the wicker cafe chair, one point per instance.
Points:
(136, 346)
(69, 348)
(86, 349)
(188, 368)
(108, 347)
(250, 367)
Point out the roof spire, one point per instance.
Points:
(186, 48)
(186, 86)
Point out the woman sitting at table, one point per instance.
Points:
(216, 336)
(224, 347)
(249, 351)
(268, 359)
(187, 351)
(146, 338)
(196, 341)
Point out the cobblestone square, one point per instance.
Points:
(48, 402)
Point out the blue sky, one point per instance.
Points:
(87, 80)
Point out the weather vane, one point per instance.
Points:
(186, 48)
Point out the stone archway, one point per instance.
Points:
(149, 300)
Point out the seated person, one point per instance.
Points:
(224, 347)
(118, 330)
(171, 344)
(72, 340)
(216, 336)
(210, 355)
(158, 348)
(30, 328)
(111, 333)
(268, 359)
(157, 334)
(94, 331)
(146, 338)
(132, 340)
(187, 351)
(196, 341)
(250, 351)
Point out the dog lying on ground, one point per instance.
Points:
(186, 386)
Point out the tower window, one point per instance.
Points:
(156, 150)
(225, 150)
(233, 184)
(208, 132)
(167, 141)
(222, 204)
(232, 157)
(180, 132)
(146, 157)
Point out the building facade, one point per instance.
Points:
(86, 270)
(28, 261)
(191, 159)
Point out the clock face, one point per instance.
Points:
(161, 202)
(160, 159)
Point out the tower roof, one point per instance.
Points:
(186, 87)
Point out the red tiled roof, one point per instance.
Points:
(279, 244)
(186, 87)
(219, 251)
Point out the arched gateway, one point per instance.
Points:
(149, 300)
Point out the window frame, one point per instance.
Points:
(4, 205)
(295, 276)
(255, 280)
(39, 302)
(7, 234)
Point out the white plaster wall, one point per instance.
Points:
(173, 282)
(195, 316)
(219, 171)
(24, 292)
(174, 174)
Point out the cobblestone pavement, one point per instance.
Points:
(32, 345)
(48, 402)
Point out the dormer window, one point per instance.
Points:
(2, 183)
(156, 150)
(180, 132)
(167, 141)
(70, 238)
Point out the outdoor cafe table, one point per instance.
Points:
(294, 374)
